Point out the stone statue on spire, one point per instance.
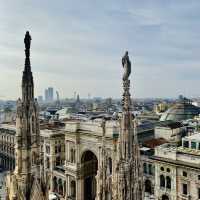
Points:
(126, 100)
(27, 42)
(126, 63)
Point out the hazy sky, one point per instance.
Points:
(78, 45)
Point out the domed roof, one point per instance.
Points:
(181, 111)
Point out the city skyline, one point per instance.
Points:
(78, 47)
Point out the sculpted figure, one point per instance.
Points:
(27, 41)
(127, 66)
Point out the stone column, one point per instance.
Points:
(80, 191)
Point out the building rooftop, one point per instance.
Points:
(50, 133)
(170, 124)
(193, 137)
(93, 127)
(179, 155)
(182, 110)
(155, 142)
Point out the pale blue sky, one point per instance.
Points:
(78, 45)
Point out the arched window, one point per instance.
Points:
(73, 188)
(60, 187)
(58, 161)
(168, 170)
(47, 163)
(72, 155)
(162, 181)
(59, 148)
(110, 165)
(55, 184)
(168, 182)
(150, 169)
(148, 186)
(33, 124)
(165, 197)
(145, 168)
(64, 192)
(184, 173)
(33, 158)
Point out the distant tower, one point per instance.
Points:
(25, 182)
(128, 166)
(50, 94)
(78, 99)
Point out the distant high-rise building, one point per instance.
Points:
(78, 98)
(49, 94)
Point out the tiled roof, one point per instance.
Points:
(154, 142)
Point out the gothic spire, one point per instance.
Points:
(27, 79)
(129, 175)
(126, 123)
